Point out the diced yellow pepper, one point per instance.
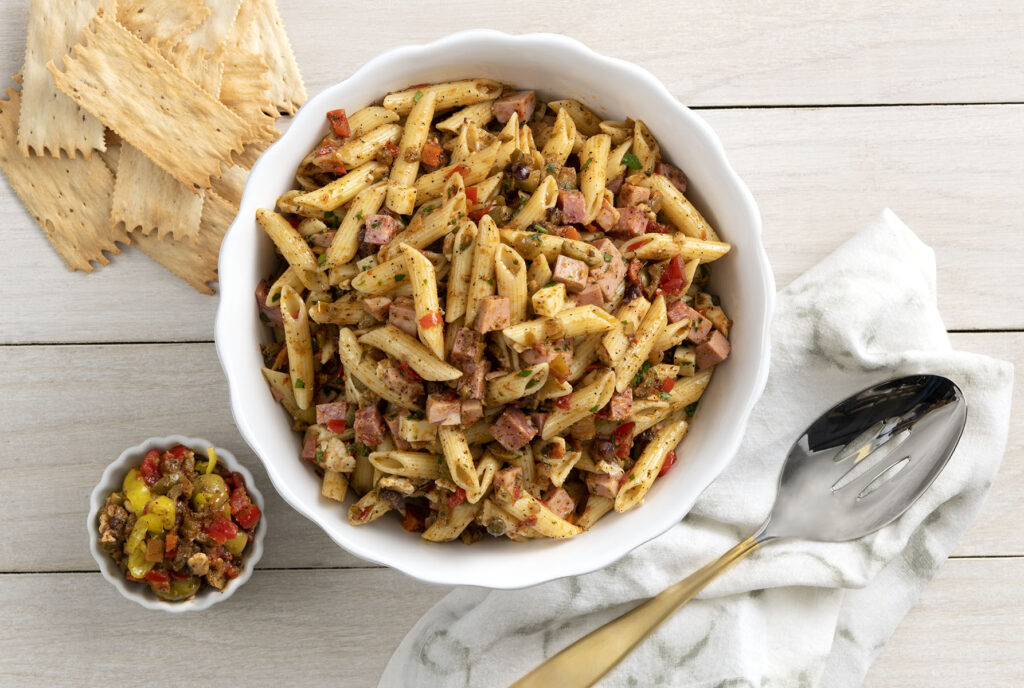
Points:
(137, 564)
(164, 509)
(213, 459)
(136, 492)
(236, 544)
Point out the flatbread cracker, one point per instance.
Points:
(147, 199)
(113, 152)
(206, 69)
(132, 89)
(212, 33)
(247, 158)
(50, 122)
(231, 184)
(68, 197)
(197, 264)
(259, 30)
(246, 91)
(162, 20)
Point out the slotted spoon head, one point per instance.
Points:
(867, 459)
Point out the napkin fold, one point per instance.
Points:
(796, 613)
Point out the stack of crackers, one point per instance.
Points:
(137, 122)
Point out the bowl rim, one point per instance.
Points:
(223, 330)
(111, 479)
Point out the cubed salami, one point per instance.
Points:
(380, 229)
(513, 429)
(520, 102)
(570, 272)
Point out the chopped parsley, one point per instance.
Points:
(364, 450)
(607, 257)
(490, 282)
(416, 97)
(359, 214)
(427, 209)
(276, 297)
(631, 161)
(594, 409)
(691, 409)
(322, 259)
(540, 228)
(439, 461)
(586, 164)
(299, 384)
(263, 317)
(525, 372)
(551, 169)
(331, 220)
(665, 396)
(639, 377)
(632, 475)
(399, 277)
(319, 456)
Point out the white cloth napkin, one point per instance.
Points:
(795, 614)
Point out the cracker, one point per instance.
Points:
(231, 184)
(68, 197)
(50, 122)
(162, 20)
(246, 91)
(196, 264)
(247, 158)
(259, 30)
(113, 151)
(198, 65)
(146, 198)
(132, 89)
(212, 33)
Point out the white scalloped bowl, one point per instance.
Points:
(556, 67)
(111, 481)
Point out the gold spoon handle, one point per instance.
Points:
(588, 659)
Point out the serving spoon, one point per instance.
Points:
(854, 470)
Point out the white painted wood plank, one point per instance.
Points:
(91, 402)
(341, 626)
(954, 174)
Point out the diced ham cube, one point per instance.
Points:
(309, 444)
(615, 185)
(570, 272)
(632, 222)
(521, 102)
(609, 274)
(560, 502)
(336, 410)
(467, 346)
(573, 205)
(397, 381)
(712, 352)
(513, 429)
(444, 409)
(673, 173)
(270, 315)
(402, 314)
(323, 239)
(607, 217)
(633, 271)
(547, 352)
(539, 419)
(494, 313)
(378, 306)
(369, 426)
(620, 407)
(591, 295)
(380, 229)
(394, 421)
(700, 327)
(676, 311)
(657, 227)
(508, 483)
(605, 484)
(472, 411)
(630, 195)
(473, 384)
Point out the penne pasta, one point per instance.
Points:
(477, 115)
(646, 335)
(300, 346)
(408, 464)
(345, 244)
(594, 163)
(510, 278)
(642, 475)
(680, 211)
(429, 318)
(459, 276)
(481, 278)
(292, 246)
(342, 190)
(475, 168)
(449, 94)
(401, 192)
(366, 147)
(369, 118)
(337, 312)
(458, 457)
(402, 347)
(351, 355)
(536, 208)
(582, 403)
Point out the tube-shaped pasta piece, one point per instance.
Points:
(646, 469)
(539, 273)
(474, 169)
(530, 245)
(560, 471)
(401, 192)
(369, 508)
(559, 145)
(450, 94)
(289, 277)
(689, 389)
(583, 355)
(408, 464)
(458, 276)
(369, 118)
(351, 355)
(432, 222)
(300, 346)
(346, 240)
(383, 278)
(645, 147)
(593, 165)
(646, 336)
(511, 386)
(536, 208)
(615, 166)
(361, 477)
(672, 335)
(402, 347)
(545, 521)
(334, 486)
(486, 189)
(617, 341)
(647, 413)
(450, 523)
(586, 121)
(680, 211)
(486, 467)
(547, 301)
(481, 280)
(583, 402)
(597, 506)
(510, 276)
(508, 139)
(478, 115)
(618, 131)
(458, 457)
(343, 189)
(282, 384)
(571, 322)
(337, 312)
(429, 318)
(293, 247)
(359, 150)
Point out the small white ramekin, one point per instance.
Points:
(111, 481)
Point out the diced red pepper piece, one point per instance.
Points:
(673, 279)
(461, 169)
(170, 544)
(178, 575)
(414, 521)
(150, 468)
(667, 384)
(334, 168)
(221, 530)
(432, 154)
(471, 194)
(572, 233)
(237, 480)
(430, 320)
(563, 402)
(325, 149)
(337, 426)
(239, 500)
(339, 123)
(458, 497)
(623, 437)
(409, 372)
(477, 215)
(248, 517)
(177, 451)
(557, 451)
(232, 571)
(669, 461)
(392, 149)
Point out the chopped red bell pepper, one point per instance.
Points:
(667, 384)
(150, 468)
(670, 460)
(633, 271)
(432, 154)
(157, 576)
(339, 123)
(232, 571)
(414, 521)
(563, 402)
(392, 149)
(178, 575)
(237, 480)
(461, 169)
(478, 214)
(409, 372)
(430, 320)
(221, 530)
(623, 437)
(557, 451)
(471, 194)
(239, 500)
(334, 168)
(673, 280)
(458, 497)
(337, 426)
(326, 148)
(248, 516)
(178, 451)
(572, 233)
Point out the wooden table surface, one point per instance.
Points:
(829, 111)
